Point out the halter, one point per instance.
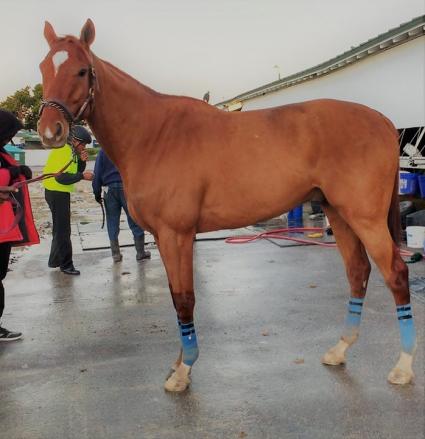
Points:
(68, 115)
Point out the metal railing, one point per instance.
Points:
(413, 152)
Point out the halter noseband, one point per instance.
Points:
(60, 106)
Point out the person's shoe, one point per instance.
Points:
(115, 249)
(146, 255)
(6, 335)
(141, 254)
(70, 270)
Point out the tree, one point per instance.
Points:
(25, 104)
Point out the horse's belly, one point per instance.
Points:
(230, 210)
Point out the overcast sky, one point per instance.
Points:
(187, 47)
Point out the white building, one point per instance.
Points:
(386, 73)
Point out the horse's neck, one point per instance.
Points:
(126, 113)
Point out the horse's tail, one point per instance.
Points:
(394, 221)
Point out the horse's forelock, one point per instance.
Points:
(67, 41)
(72, 46)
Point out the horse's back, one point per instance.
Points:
(263, 162)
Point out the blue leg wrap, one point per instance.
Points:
(407, 328)
(354, 315)
(189, 343)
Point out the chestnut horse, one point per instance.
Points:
(189, 167)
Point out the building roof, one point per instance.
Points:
(394, 37)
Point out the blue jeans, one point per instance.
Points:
(115, 201)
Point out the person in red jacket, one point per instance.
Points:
(16, 221)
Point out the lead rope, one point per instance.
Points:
(103, 213)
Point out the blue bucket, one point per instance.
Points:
(421, 181)
(408, 183)
(296, 213)
(295, 217)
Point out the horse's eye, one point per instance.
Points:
(82, 72)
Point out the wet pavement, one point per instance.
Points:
(97, 349)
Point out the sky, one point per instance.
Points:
(186, 47)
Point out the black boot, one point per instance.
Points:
(115, 249)
(139, 243)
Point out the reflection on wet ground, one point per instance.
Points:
(97, 348)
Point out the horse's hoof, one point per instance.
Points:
(402, 372)
(336, 355)
(400, 377)
(333, 358)
(179, 379)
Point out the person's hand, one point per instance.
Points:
(25, 171)
(88, 175)
(84, 155)
(98, 197)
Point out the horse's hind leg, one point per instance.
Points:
(358, 269)
(380, 246)
(176, 251)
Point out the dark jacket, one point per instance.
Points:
(105, 173)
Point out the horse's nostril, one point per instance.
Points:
(59, 129)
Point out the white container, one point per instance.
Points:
(415, 236)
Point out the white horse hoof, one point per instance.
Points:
(336, 355)
(400, 376)
(333, 358)
(179, 380)
(402, 372)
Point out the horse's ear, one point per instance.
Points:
(49, 33)
(87, 33)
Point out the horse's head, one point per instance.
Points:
(68, 83)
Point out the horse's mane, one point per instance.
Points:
(125, 76)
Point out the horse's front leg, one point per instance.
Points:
(176, 251)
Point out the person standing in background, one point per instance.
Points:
(58, 195)
(107, 175)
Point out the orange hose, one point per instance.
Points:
(280, 234)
